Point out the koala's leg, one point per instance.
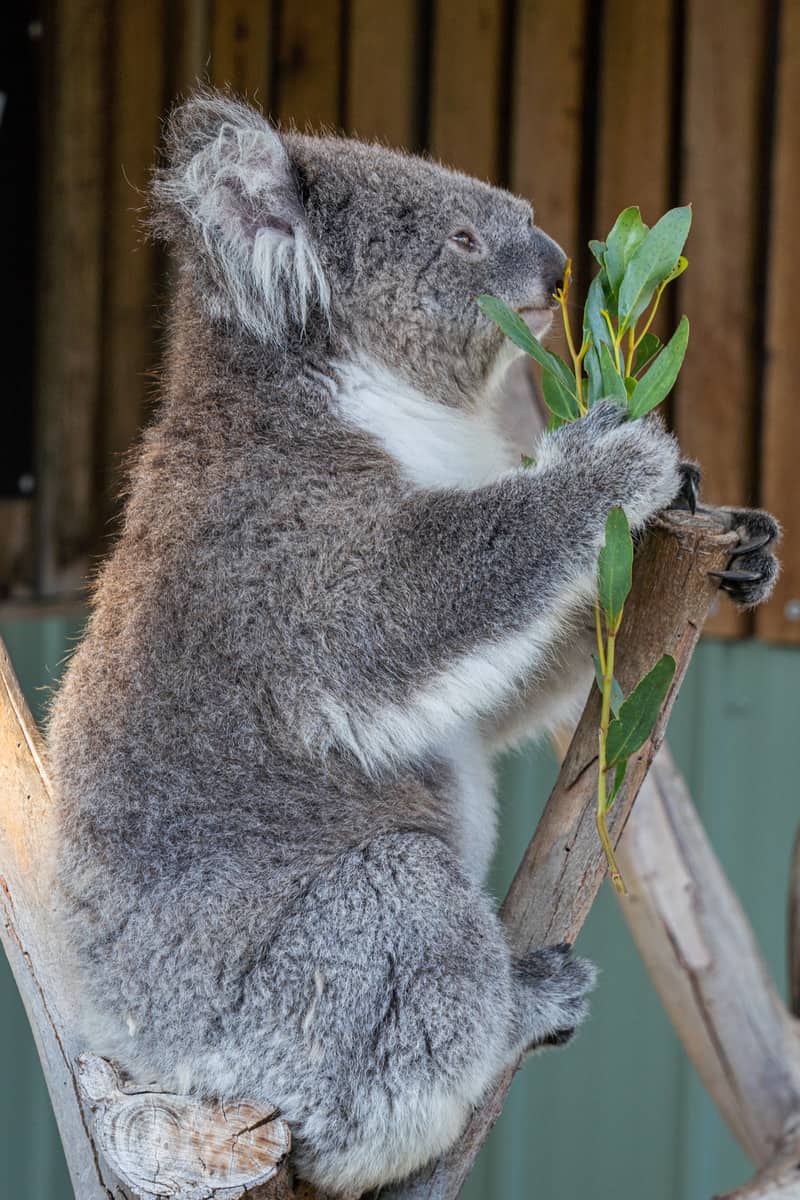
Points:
(399, 1003)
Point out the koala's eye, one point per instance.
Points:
(465, 240)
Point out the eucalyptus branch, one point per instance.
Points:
(636, 265)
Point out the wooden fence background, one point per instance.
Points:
(584, 106)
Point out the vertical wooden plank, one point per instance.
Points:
(241, 50)
(547, 111)
(381, 84)
(634, 137)
(780, 445)
(188, 41)
(308, 83)
(465, 101)
(69, 360)
(129, 316)
(715, 403)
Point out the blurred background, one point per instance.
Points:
(584, 106)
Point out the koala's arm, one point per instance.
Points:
(461, 595)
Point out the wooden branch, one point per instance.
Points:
(794, 928)
(779, 1183)
(118, 1143)
(564, 865)
(165, 1145)
(701, 954)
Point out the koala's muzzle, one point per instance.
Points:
(551, 263)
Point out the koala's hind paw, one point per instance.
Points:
(752, 570)
(553, 988)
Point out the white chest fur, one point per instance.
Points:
(435, 446)
(475, 801)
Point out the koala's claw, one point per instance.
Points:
(756, 568)
(750, 547)
(689, 489)
(729, 577)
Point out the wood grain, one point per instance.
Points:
(779, 620)
(547, 112)
(131, 261)
(465, 98)
(241, 47)
(382, 88)
(161, 1144)
(308, 83)
(634, 136)
(715, 402)
(74, 137)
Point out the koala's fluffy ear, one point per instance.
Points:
(228, 187)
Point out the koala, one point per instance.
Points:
(336, 593)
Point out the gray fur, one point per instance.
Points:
(271, 749)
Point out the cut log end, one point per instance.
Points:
(184, 1147)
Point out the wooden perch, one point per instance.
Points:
(562, 869)
(119, 1142)
(704, 962)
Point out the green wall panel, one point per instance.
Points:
(620, 1112)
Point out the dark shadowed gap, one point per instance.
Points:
(104, 507)
(276, 27)
(763, 184)
(505, 82)
(344, 63)
(426, 19)
(676, 119)
(590, 125)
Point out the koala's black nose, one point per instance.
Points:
(552, 261)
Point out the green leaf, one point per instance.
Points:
(617, 694)
(514, 327)
(560, 402)
(627, 235)
(657, 258)
(594, 389)
(527, 461)
(598, 249)
(614, 567)
(657, 382)
(613, 383)
(647, 349)
(678, 269)
(594, 323)
(619, 776)
(639, 713)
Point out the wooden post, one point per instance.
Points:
(704, 962)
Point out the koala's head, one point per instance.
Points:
(381, 252)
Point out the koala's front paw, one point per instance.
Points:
(633, 464)
(553, 987)
(751, 573)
